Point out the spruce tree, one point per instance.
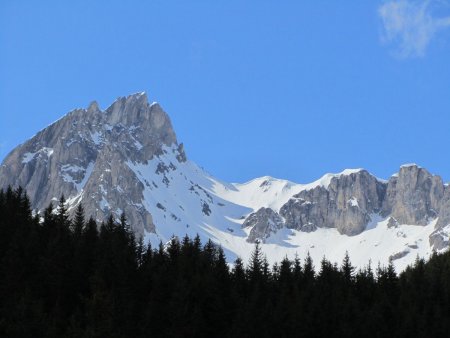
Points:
(347, 269)
(255, 266)
(62, 213)
(78, 221)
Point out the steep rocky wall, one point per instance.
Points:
(346, 204)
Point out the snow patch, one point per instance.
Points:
(71, 168)
(27, 157)
(96, 137)
(107, 126)
(80, 186)
(347, 172)
(325, 180)
(104, 205)
(47, 151)
(353, 202)
(70, 142)
(407, 165)
(68, 170)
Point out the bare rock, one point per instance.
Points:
(84, 154)
(263, 223)
(346, 204)
(413, 196)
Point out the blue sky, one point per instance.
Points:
(290, 89)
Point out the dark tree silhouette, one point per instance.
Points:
(68, 277)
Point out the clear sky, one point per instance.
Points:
(291, 89)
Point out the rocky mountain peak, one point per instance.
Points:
(129, 110)
(93, 107)
(83, 156)
(413, 196)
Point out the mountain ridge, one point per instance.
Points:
(127, 158)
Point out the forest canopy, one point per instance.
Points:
(64, 276)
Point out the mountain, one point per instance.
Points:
(127, 159)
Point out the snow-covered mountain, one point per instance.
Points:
(127, 159)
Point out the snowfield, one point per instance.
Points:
(184, 199)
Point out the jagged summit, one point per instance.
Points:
(82, 156)
(93, 107)
(126, 158)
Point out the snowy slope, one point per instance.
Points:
(184, 199)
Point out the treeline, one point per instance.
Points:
(62, 277)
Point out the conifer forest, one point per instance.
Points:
(70, 276)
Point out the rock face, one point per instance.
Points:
(414, 196)
(83, 157)
(263, 223)
(439, 239)
(346, 204)
(350, 201)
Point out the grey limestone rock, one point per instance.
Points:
(84, 154)
(414, 196)
(263, 223)
(444, 210)
(346, 204)
(392, 223)
(398, 255)
(439, 239)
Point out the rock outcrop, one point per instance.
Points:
(414, 196)
(439, 239)
(263, 223)
(346, 204)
